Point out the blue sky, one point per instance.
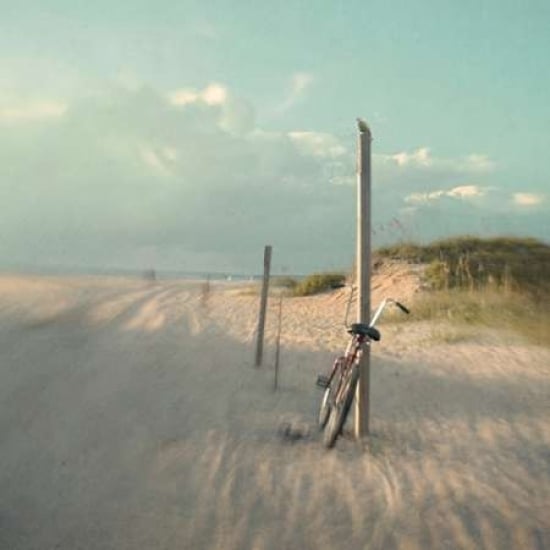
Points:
(187, 135)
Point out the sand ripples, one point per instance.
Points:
(177, 435)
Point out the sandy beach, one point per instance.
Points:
(132, 417)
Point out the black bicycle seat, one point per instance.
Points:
(365, 330)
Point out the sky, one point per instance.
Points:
(187, 135)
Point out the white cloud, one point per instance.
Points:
(422, 159)
(32, 111)
(299, 84)
(460, 192)
(128, 170)
(159, 161)
(171, 153)
(318, 144)
(477, 163)
(237, 115)
(183, 96)
(213, 94)
(528, 199)
(424, 197)
(467, 191)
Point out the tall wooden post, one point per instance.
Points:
(263, 306)
(362, 400)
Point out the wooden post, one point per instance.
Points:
(263, 306)
(362, 399)
(278, 343)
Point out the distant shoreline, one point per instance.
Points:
(131, 273)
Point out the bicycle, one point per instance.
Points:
(341, 383)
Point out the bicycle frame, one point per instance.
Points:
(350, 358)
(355, 345)
(354, 349)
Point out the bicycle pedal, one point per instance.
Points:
(323, 381)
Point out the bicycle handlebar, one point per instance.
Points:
(378, 311)
(382, 306)
(402, 308)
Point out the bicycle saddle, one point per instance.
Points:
(364, 330)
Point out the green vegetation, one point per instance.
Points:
(501, 283)
(522, 265)
(490, 308)
(318, 282)
(284, 281)
(497, 283)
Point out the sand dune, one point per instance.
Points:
(131, 416)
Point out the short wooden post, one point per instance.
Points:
(278, 343)
(263, 306)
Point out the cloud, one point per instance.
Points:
(423, 183)
(422, 159)
(213, 94)
(129, 177)
(159, 161)
(467, 191)
(460, 192)
(477, 163)
(33, 110)
(434, 196)
(237, 115)
(184, 97)
(528, 199)
(299, 84)
(318, 144)
(127, 172)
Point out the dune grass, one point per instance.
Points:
(318, 282)
(517, 264)
(284, 281)
(492, 308)
(500, 282)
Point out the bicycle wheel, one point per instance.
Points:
(328, 396)
(339, 412)
(324, 409)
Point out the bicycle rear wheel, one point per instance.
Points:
(339, 412)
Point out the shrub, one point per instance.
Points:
(521, 264)
(284, 282)
(436, 275)
(319, 282)
(515, 311)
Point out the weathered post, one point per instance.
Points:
(362, 401)
(278, 343)
(263, 306)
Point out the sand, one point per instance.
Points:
(131, 416)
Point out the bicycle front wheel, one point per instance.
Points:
(328, 394)
(324, 409)
(339, 411)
